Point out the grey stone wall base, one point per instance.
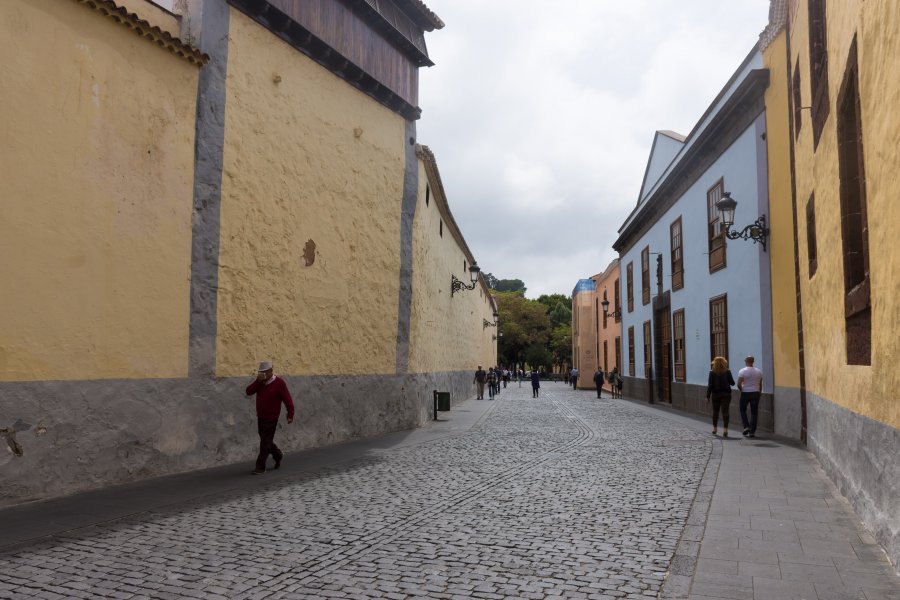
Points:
(677, 584)
(862, 457)
(787, 412)
(81, 435)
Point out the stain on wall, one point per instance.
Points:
(309, 253)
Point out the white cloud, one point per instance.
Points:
(541, 117)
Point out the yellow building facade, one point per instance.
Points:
(609, 324)
(179, 212)
(789, 416)
(844, 96)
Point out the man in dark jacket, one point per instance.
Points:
(599, 378)
(535, 384)
(271, 391)
(480, 378)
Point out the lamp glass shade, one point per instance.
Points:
(605, 305)
(473, 272)
(726, 206)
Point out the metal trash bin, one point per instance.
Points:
(443, 401)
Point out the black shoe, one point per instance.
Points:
(753, 435)
(746, 432)
(258, 471)
(278, 463)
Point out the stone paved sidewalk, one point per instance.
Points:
(775, 528)
(558, 497)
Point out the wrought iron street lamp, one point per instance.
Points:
(616, 314)
(756, 231)
(456, 285)
(487, 323)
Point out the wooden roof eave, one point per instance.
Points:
(666, 194)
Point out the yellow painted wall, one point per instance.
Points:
(306, 158)
(96, 165)
(785, 344)
(446, 334)
(868, 390)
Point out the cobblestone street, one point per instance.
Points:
(561, 496)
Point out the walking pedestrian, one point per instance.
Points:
(718, 391)
(613, 379)
(750, 383)
(574, 376)
(535, 384)
(599, 378)
(271, 392)
(480, 379)
(505, 377)
(619, 383)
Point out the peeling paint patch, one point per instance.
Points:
(309, 253)
(11, 443)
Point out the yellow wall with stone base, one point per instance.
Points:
(868, 390)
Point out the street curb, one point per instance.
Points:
(680, 575)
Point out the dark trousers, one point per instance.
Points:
(535, 391)
(266, 428)
(751, 398)
(599, 389)
(721, 402)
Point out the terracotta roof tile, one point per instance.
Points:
(109, 8)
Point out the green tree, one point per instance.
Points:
(537, 356)
(561, 315)
(561, 344)
(510, 285)
(551, 300)
(523, 322)
(490, 280)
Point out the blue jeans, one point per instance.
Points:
(751, 398)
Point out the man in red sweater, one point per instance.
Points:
(270, 392)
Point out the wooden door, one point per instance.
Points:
(665, 368)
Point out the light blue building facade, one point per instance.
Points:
(688, 293)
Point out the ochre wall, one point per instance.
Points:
(446, 334)
(869, 390)
(306, 159)
(96, 164)
(607, 281)
(584, 336)
(785, 345)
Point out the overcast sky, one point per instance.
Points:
(541, 116)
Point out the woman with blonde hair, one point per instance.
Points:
(718, 389)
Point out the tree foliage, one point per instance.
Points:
(537, 332)
(538, 357)
(510, 285)
(504, 285)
